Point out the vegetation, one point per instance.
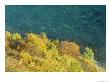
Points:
(37, 53)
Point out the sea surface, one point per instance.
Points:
(86, 25)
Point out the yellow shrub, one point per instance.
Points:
(11, 64)
(33, 38)
(25, 57)
(52, 51)
(7, 35)
(16, 36)
(73, 63)
(38, 53)
(7, 38)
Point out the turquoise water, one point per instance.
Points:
(85, 25)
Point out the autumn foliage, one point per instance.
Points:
(37, 53)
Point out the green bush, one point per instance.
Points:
(89, 54)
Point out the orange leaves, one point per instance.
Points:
(69, 48)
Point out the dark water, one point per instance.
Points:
(84, 24)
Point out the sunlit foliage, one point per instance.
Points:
(36, 53)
